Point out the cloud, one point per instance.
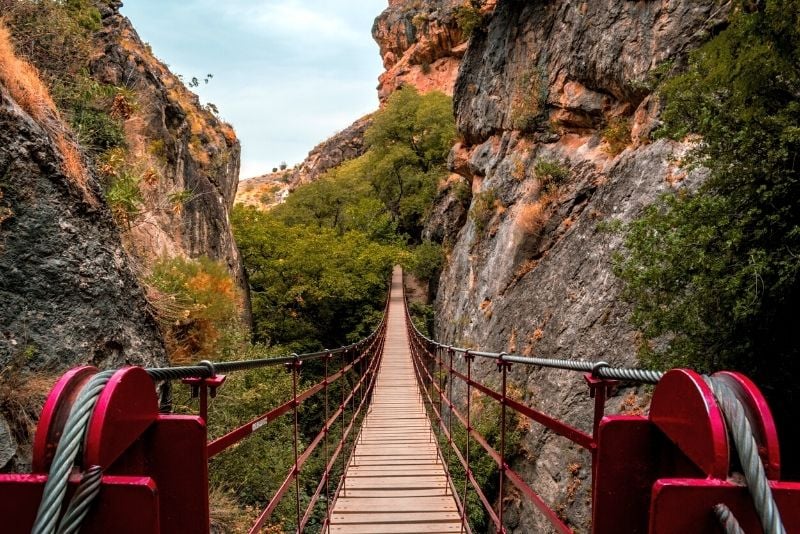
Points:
(287, 74)
(290, 18)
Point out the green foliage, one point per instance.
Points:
(311, 286)
(124, 196)
(484, 205)
(54, 35)
(485, 419)
(199, 304)
(617, 135)
(422, 317)
(179, 198)
(530, 100)
(713, 273)
(426, 261)
(551, 174)
(243, 470)
(409, 141)
(462, 191)
(469, 18)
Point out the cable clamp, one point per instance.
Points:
(596, 368)
(212, 371)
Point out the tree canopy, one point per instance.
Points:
(713, 273)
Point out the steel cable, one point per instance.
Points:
(727, 520)
(599, 369)
(747, 449)
(66, 452)
(79, 505)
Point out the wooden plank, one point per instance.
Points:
(395, 482)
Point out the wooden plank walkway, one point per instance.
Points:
(395, 482)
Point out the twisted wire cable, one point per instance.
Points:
(66, 452)
(79, 505)
(747, 449)
(727, 520)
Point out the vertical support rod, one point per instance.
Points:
(504, 371)
(204, 400)
(327, 453)
(442, 384)
(295, 366)
(465, 518)
(343, 406)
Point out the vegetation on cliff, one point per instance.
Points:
(714, 273)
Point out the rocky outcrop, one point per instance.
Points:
(554, 108)
(271, 189)
(182, 149)
(69, 295)
(421, 44)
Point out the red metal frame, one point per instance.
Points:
(155, 466)
(660, 473)
(657, 474)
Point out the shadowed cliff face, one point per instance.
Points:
(554, 108)
(187, 148)
(68, 294)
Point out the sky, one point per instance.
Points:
(287, 74)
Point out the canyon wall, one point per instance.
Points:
(184, 151)
(73, 267)
(69, 294)
(554, 108)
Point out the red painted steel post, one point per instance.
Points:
(504, 370)
(450, 414)
(295, 365)
(465, 519)
(327, 452)
(342, 406)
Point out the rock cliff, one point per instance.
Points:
(554, 107)
(421, 44)
(270, 189)
(69, 295)
(189, 158)
(73, 250)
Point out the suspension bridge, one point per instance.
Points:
(398, 444)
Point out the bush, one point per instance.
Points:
(124, 197)
(529, 100)
(551, 174)
(469, 18)
(426, 261)
(617, 135)
(713, 273)
(422, 316)
(198, 303)
(483, 208)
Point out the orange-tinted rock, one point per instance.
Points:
(421, 45)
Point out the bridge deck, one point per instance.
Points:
(395, 482)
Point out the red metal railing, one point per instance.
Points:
(432, 367)
(155, 466)
(363, 360)
(660, 473)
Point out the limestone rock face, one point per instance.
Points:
(536, 97)
(577, 61)
(185, 147)
(421, 44)
(68, 291)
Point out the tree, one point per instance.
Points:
(312, 287)
(713, 274)
(409, 141)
